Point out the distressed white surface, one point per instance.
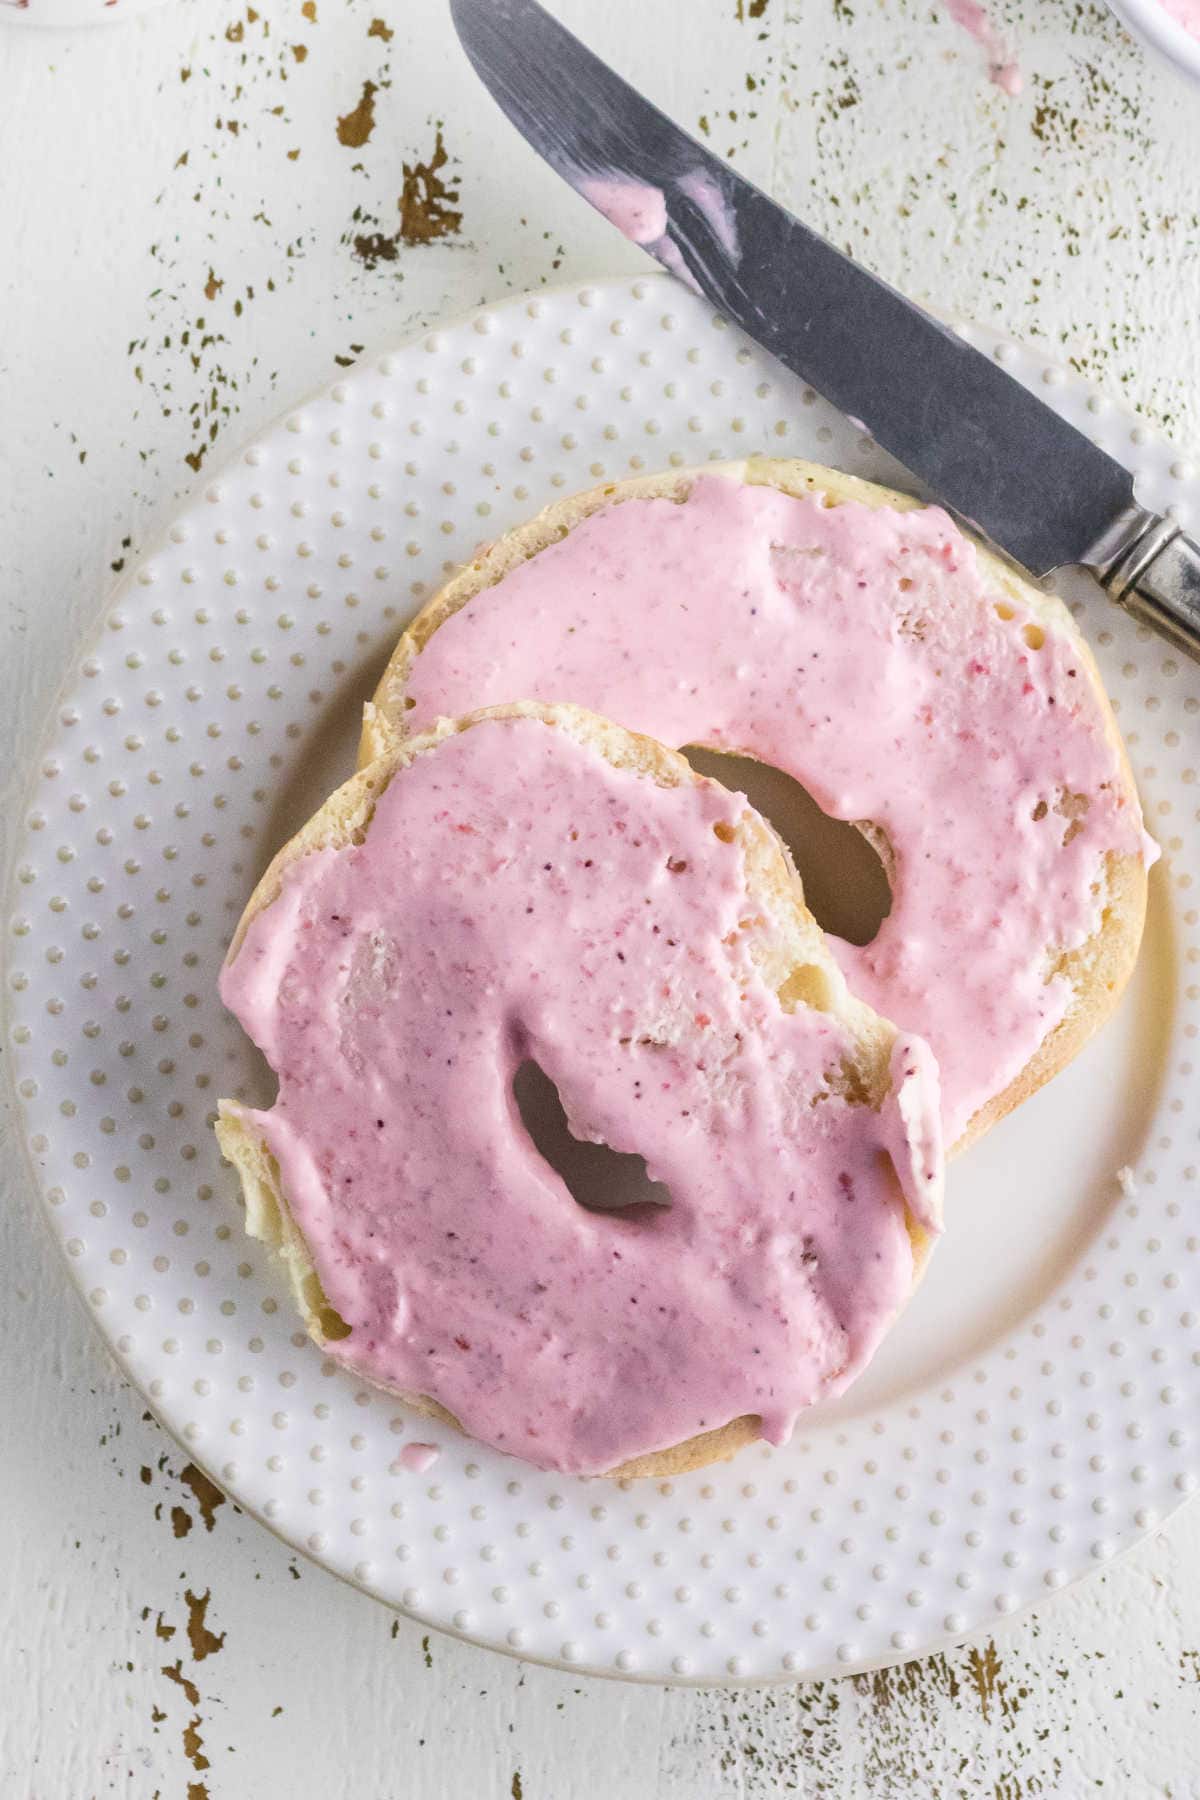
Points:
(1070, 215)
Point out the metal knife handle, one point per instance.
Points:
(1155, 576)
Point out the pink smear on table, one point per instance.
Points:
(1002, 69)
(419, 1457)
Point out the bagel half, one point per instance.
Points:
(1096, 969)
(786, 947)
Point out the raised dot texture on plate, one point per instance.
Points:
(889, 1524)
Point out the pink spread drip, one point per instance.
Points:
(517, 897)
(1185, 13)
(859, 651)
(637, 210)
(640, 213)
(1002, 69)
(704, 193)
(420, 1458)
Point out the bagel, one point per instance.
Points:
(533, 883)
(913, 683)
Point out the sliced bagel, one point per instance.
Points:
(788, 1080)
(1072, 981)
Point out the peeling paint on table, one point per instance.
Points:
(219, 206)
(207, 1669)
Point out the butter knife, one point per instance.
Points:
(991, 452)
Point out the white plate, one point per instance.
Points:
(1034, 1413)
(1156, 27)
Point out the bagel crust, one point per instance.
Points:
(1050, 851)
(734, 1005)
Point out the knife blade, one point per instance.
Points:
(991, 451)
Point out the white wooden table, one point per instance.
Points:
(203, 212)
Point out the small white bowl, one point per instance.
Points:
(1155, 26)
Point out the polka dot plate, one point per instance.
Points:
(1035, 1410)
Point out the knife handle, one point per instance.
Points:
(1157, 580)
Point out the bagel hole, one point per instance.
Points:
(846, 886)
(599, 1179)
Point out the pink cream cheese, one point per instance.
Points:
(1002, 69)
(517, 897)
(860, 651)
(639, 212)
(419, 1458)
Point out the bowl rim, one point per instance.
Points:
(1150, 20)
